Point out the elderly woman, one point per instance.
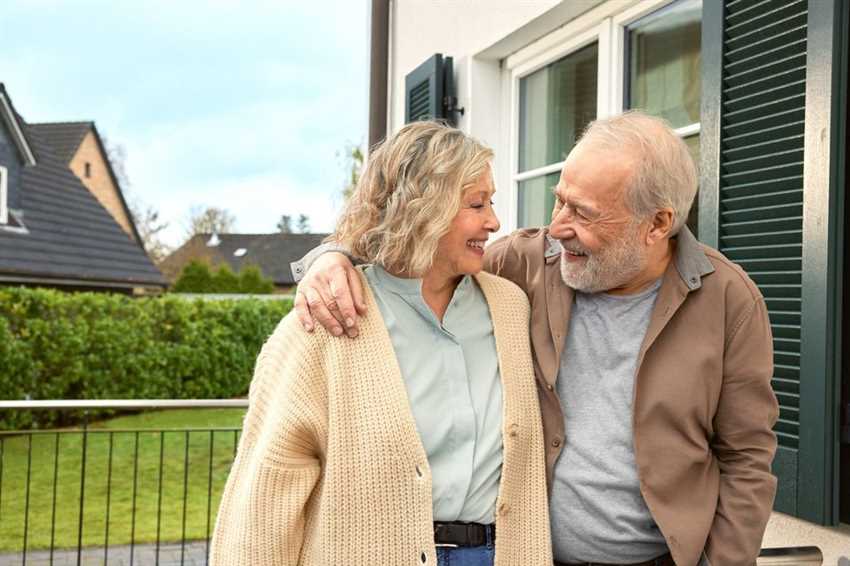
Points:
(419, 441)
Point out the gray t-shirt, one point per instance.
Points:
(597, 511)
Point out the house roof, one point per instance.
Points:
(68, 235)
(63, 137)
(272, 253)
(15, 124)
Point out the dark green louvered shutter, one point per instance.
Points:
(429, 91)
(762, 207)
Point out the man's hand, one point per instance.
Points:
(330, 293)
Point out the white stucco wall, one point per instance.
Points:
(457, 28)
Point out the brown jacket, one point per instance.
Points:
(703, 406)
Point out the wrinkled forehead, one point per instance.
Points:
(596, 173)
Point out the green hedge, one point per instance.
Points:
(56, 345)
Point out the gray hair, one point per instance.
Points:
(665, 175)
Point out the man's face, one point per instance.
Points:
(604, 244)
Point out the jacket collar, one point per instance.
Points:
(690, 259)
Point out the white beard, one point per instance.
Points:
(618, 263)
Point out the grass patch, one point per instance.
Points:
(202, 493)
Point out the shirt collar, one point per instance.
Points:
(412, 286)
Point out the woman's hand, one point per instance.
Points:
(330, 293)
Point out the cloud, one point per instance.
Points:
(239, 105)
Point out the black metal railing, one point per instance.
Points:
(127, 495)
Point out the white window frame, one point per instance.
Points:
(4, 195)
(605, 25)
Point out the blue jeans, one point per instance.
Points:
(467, 556)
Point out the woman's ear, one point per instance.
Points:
(662, 225)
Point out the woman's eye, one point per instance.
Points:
(476, 205)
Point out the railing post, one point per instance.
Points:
(82, 487)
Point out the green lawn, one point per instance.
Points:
(120, 505)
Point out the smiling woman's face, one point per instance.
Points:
(461, 250)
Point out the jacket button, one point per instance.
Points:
(549, 387)
(556, 442)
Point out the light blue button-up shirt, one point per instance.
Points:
(451, 373)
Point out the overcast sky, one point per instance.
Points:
(240, 105)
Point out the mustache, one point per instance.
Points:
(575, 247)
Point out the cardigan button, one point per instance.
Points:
(419, 471)
(514, 430)
(423, 558)
(556, 442)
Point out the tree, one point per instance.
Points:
(284, 225)
(353, 163)
(251, 281)
(224, 280)
(196, 277)
(210, 220)
(303, 223)
(150, 227)
(146, 217)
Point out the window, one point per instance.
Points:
(87, 170)
(4, 195)
(555, 104)
(624, 54)
(663, 71)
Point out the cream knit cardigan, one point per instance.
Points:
(330, 469)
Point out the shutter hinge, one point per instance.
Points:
(450, 105)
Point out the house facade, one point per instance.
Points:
(54, 232)
(758, 91)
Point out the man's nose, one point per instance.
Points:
(561, 227)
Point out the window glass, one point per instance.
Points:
(536, 200)
(663, 55)
(555, 104)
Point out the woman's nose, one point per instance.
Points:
(492, 223)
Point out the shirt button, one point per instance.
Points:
(556, 442)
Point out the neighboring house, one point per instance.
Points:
(53, 231)
(272, 253)
(80, 146)
(767, 128)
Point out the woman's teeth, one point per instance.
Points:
(479, 244)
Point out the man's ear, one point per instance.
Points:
(661, 226)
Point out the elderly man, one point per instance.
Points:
(653, 357)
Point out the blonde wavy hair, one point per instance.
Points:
(408, 195)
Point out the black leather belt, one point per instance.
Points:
(463, 534)
(663, 560)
